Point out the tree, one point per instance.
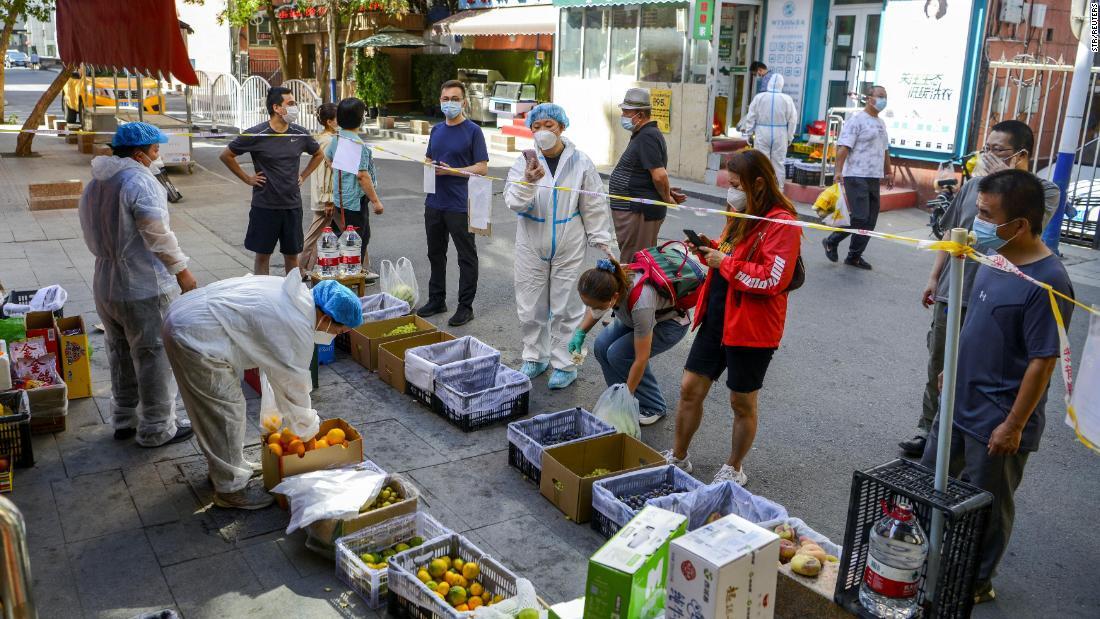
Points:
(34, 120)
(11, 10)
(348, 10)
(239, 13)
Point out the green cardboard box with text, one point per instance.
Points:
(626, 578)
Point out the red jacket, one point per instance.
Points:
(756, 301)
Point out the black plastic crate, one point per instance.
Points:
(525, 466)
(508, 410)
(23, 297)
(420, 395)
(15, 430)
(603, 525)
(550, 430)
(965, 510)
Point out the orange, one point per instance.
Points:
(462, 608)
(442, 589)
(321, 443)
(474, 602)
(274, 438)
(334, 436)
(461, 581)
(476, 589)
(471, 570)
(311, 444)
(276, 449)
(297, 447)
(486, 597)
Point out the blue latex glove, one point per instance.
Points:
(577, 343)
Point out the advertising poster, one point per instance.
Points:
(661, 100)
(786, 42)
(922, 70)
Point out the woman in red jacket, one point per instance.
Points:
(741, 309)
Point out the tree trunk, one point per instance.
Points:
(278, 40)
(23, 143)
(17, 7)
(352, 18)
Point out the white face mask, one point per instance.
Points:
(546, 139)
(291, 115)
(324, 338)
(737, 199)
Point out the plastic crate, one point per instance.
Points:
(382, 306)
(7, 478)
(411, 598)
(723, 498)
(368, 582)
(609, 513)
(965, 509)
(468, 358)
(15, 430)
(527, 439)
(24, 297)
(423, 396)
(471, 408)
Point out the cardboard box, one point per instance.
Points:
(724, 570)
(49, 408)
(326, 532)
(366, 338)
(275, 468)
(76, 368)
(626, 578)
(43, 324)
(564, 468)
(391, 356)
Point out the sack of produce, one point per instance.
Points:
(399, 280)
(618, 408)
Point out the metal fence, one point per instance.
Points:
(308, 102)
(1036, 93)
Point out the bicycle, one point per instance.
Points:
(946, 185)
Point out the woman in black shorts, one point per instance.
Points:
(741, 310)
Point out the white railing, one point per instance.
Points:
(1036, 93)
(308, 102)
(201, 106)
(253, 97)
(225, 98)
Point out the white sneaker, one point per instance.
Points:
(371, 276)
(252, 496)
(646, 418)
(683, 464)
(728, 473)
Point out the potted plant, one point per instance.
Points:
(374, 82)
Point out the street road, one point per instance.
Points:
(22, 89)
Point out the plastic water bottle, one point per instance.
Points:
(328, 254)
(351, 252)
(895, 559)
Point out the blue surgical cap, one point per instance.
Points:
(339, 302)
(553, 111)
(138, 134)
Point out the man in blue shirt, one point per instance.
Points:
(1008, 348)
(458, 146)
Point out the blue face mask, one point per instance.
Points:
(451, 109)
(880, 103)
(985, 233)
(627, 122)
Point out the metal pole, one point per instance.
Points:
(1071, 129)
(947, 398)
(118, 95)
(333, 25)
(141, 97)
(15, 578)
(95, 93)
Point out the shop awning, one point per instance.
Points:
(569, 3)
(541, 19)
(142, 36)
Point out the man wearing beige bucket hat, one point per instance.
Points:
(640, 173)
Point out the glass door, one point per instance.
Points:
(735, 39)
(852, 51)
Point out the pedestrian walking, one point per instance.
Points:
(458, 147)
(354, 193)
(553, 232)
(276, 146)
(217, 332)
(640, 173)
(862, 162)
(1008, 146)
(1008, 348)
(742, 310)
(765, 77)
(772, 120)
(139, 269)
(641, 330)
(320, 189)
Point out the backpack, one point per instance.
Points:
(672, 271)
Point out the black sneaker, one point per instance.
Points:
(124, 434)
(914, 447)
(858, 263)
(830, 251)
(462, 316)
(182, 434)
(431, 309)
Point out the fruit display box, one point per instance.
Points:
(275, 468)
(965, 510)
(371, 582)
(468, 358)
(615, 500)
(366, 338)
(714, 501)
(568, 471)
(324, 533)
(410, 597)
(527, 439)
(470, 405)
(15, 429)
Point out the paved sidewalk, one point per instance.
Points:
(116, 530)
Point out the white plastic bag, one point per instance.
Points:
(48, 299)
(1085, 402)
(618, 407)
(841, 216)
(329, 493)
(399, 280)
(507, 609)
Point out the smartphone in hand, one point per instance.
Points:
(695, 239)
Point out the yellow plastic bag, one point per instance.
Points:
(826, 200)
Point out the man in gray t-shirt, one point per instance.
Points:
(1008, 145)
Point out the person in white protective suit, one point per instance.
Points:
(139, 269)
(555, 228)
(773, 121)
(272, 323)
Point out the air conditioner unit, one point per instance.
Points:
(1012, 11)
(1038, 16)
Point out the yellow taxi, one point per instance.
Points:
(81, 89)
